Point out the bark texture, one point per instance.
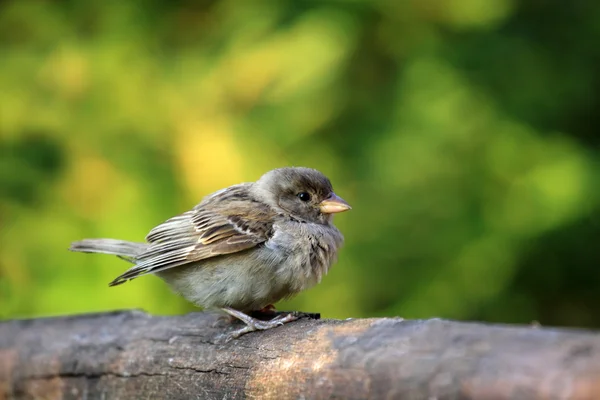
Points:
(132, 355)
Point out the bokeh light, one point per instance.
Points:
(463, 133)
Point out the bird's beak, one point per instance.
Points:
(334, 204)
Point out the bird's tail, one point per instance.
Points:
(121, 248)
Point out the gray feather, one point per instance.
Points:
(116, 247)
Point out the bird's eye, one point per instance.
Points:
(304, 196)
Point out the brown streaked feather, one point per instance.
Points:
(223, 223)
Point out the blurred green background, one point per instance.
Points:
(463, 132)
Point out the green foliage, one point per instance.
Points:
(462, 133)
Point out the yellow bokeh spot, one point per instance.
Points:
(208, 156)
(65, 71)
(85, 187)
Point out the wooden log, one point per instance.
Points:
(133, 355)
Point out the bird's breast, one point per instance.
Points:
(307, 252)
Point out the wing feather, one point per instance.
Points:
(226, 222)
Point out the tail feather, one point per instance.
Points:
(122, 248)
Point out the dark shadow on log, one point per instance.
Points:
(132, 355)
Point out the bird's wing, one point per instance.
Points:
(223, 223)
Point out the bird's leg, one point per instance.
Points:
(253, 324)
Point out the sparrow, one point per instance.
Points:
(242, 248)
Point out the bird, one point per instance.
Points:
(243, 248)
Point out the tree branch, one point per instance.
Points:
(132, 355)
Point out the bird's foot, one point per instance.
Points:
(253, 324)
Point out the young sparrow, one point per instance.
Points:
(242, 248)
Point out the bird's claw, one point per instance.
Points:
(253, 324)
